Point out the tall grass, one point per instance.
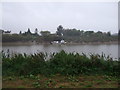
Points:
(59, 63)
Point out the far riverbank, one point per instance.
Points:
(68, 43)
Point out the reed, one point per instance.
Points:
(59, 63)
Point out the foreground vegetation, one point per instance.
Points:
(78, 69)
(60, 81)
(62, 63)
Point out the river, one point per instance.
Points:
(111, 50)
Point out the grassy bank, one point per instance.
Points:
(60, 81)
(62, 63)
(73, 66)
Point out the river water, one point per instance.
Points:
(111, 50)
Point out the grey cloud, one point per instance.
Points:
(47, 16)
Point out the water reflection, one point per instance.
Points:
(111, 50)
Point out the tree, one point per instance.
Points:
(29, 32)
(119, 36)
(59, 30)
(108, 33)
(119, 32)
(71, 32)
(99, 32)
(45, 33)
(36, 31)
(89, 33)
(20, 32)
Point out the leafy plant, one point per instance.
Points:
(36, 84)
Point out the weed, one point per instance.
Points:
(100, 82)
(36, 84)
(21, 77)
(61, 87)
(21, 87)
(32, 76)
(62, 63)
(11, 78)
(49, 83)
(89, 85)
(72, 78)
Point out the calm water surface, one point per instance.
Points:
(111, 50)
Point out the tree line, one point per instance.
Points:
(69, 35)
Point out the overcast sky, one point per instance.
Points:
(96, 16)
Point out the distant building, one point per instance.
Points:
(62, 41)
(55, 42)
(58, 42)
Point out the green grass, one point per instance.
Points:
(61, 81)
(20, 87)
(62, 70)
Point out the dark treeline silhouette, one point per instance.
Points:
(69, 35)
